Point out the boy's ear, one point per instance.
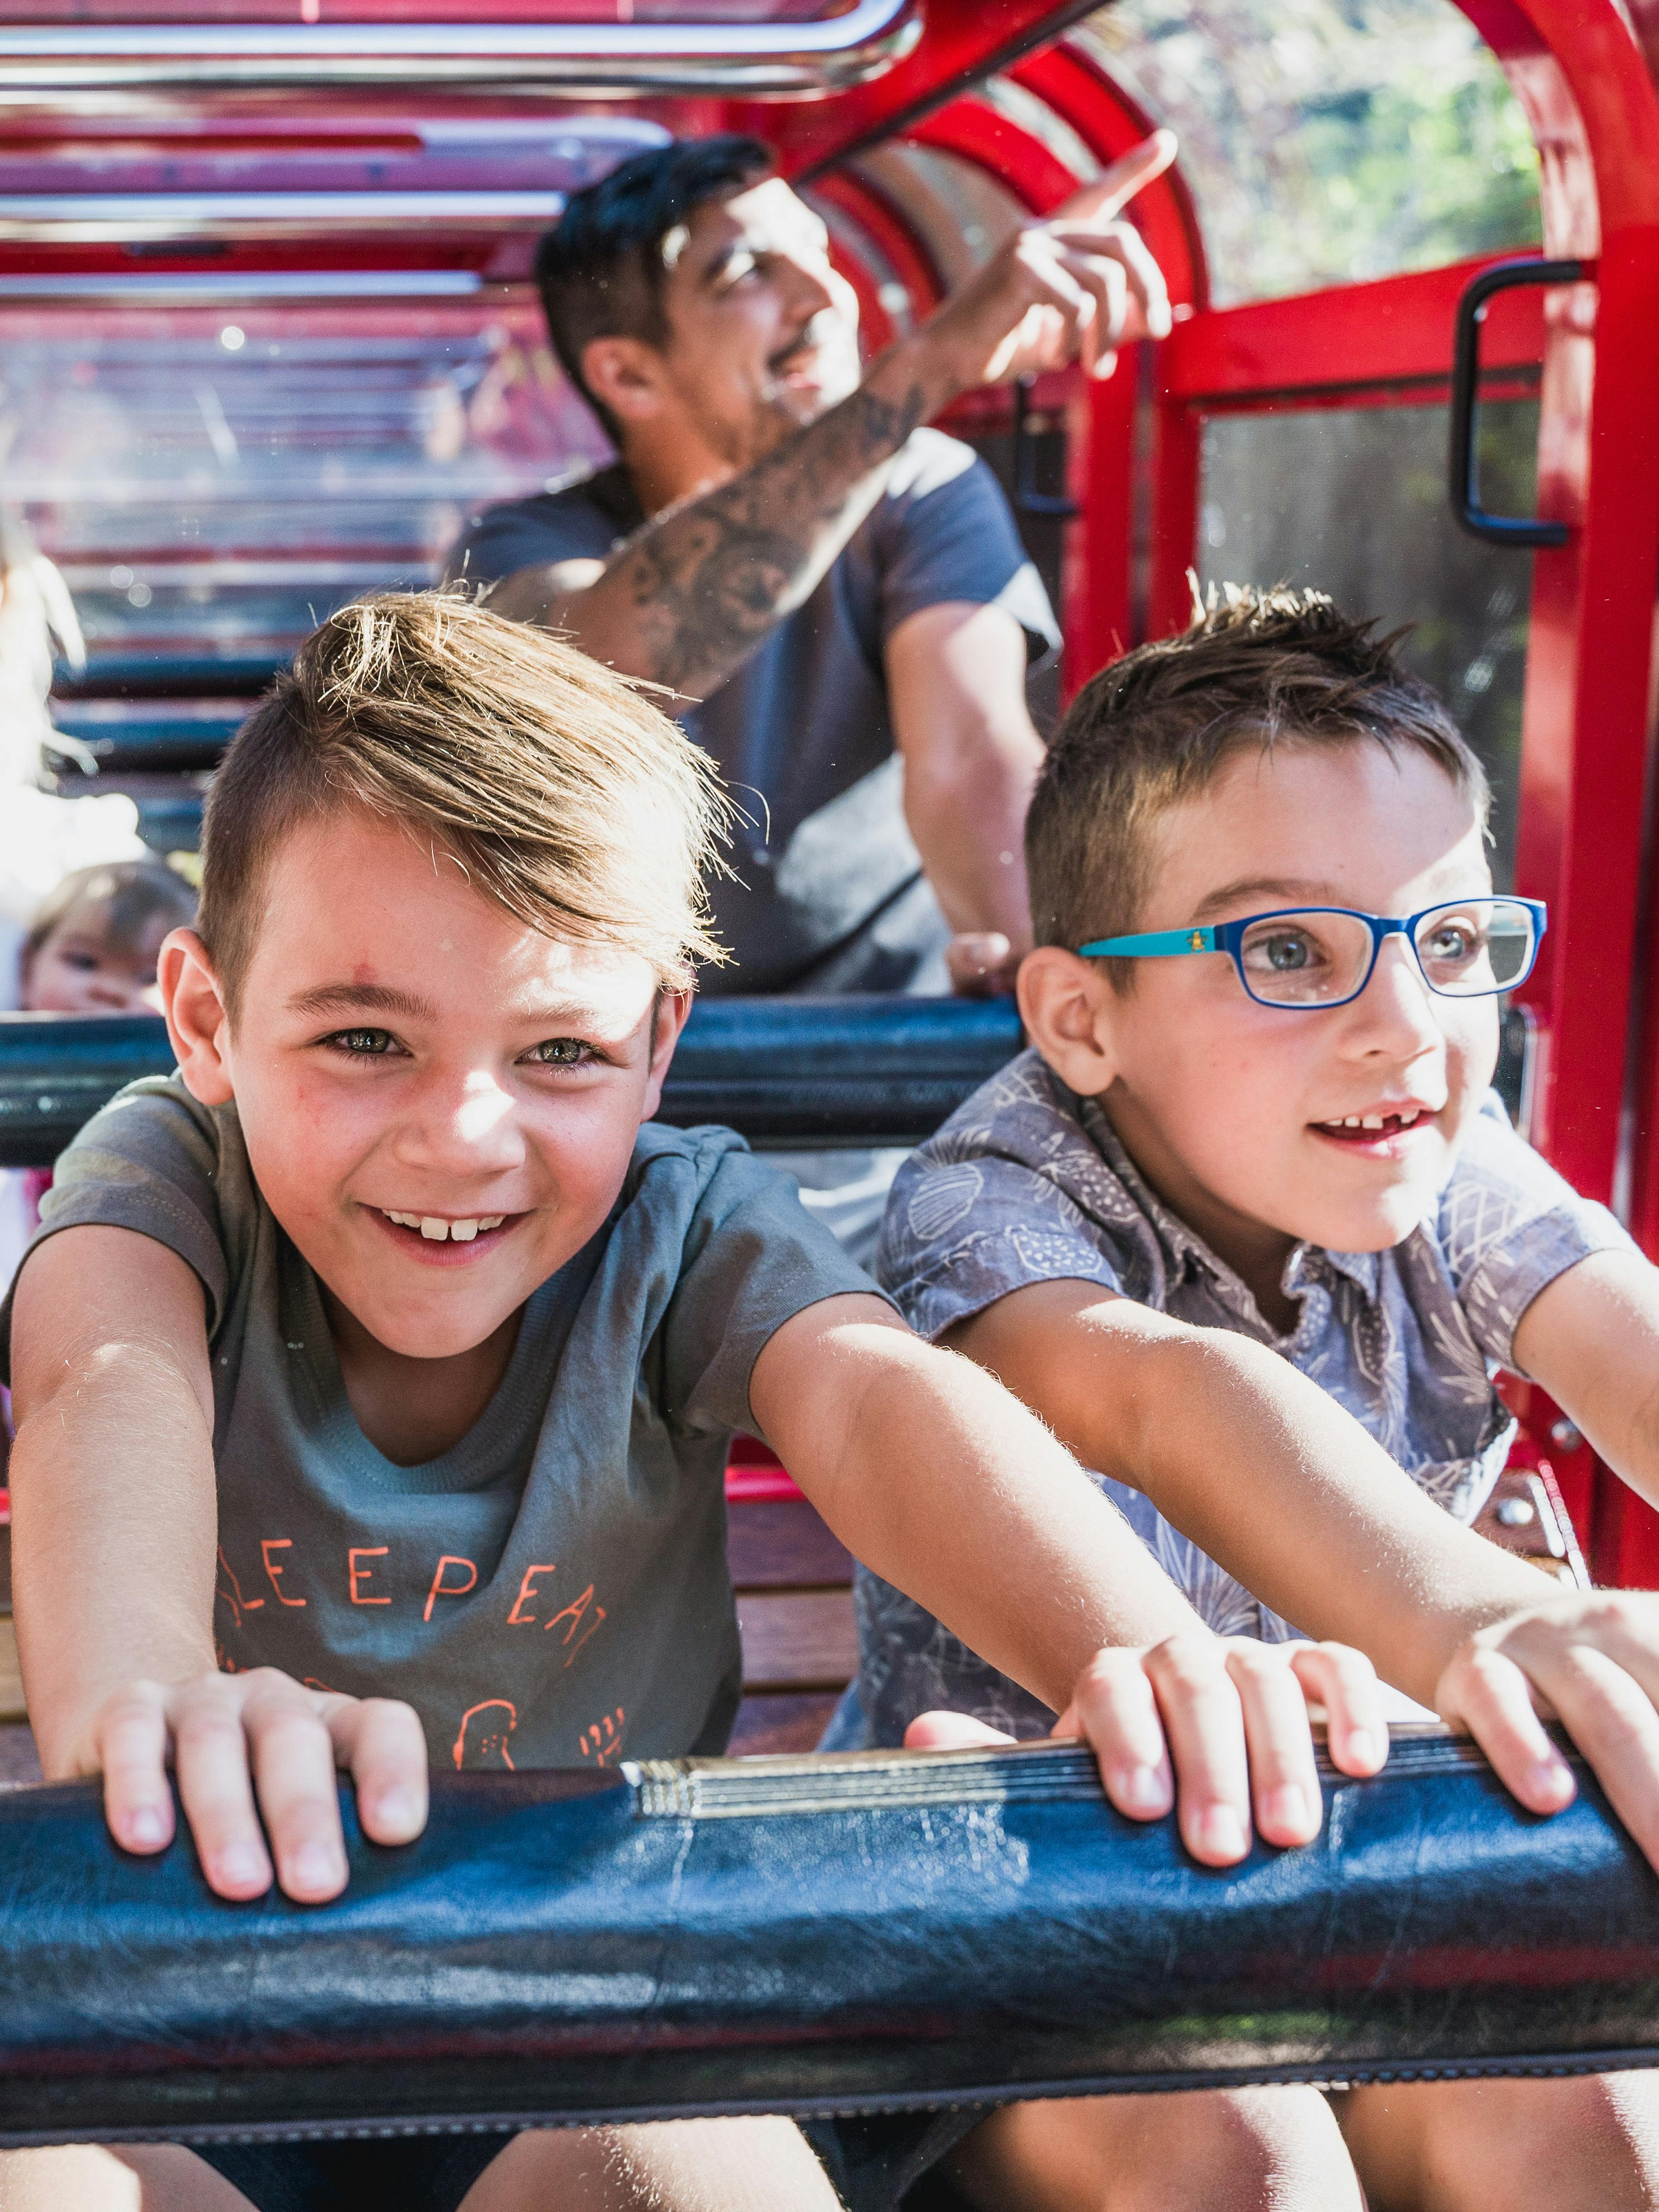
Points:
(199, 1028)
(1069, 1010)
(667, 1021)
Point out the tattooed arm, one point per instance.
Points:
(691, 594)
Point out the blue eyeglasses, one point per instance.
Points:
(1323, 956)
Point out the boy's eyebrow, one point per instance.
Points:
(375, 998)
(1287, 890)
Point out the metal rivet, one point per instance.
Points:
(1518, 1513)
(1565, 1435)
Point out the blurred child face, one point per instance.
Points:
(78, 970)
(440, 1104)
(1236, 1112)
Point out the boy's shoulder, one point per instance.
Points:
(1024, 1183)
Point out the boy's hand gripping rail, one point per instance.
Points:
(850, 1070)
(792, 1935)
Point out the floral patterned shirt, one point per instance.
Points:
(1028, 1183)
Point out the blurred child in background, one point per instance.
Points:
(91, 949)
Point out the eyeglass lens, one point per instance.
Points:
(1467, 949)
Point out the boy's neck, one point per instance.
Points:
(1254, 1250)
(415, 1410)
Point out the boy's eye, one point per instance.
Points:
(1284, 951)
(86, 962)
(559, 1052)
(363, 1044)
(1454, 942)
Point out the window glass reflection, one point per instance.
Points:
(1353, 503)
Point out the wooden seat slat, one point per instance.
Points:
(781, 1543)
(797, 1639)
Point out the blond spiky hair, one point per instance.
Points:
(566, 796)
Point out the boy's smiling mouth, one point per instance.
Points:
(1376, 1132)
(431, 1234)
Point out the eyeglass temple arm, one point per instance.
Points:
(1155, 944)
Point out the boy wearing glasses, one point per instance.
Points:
(1248, 1228)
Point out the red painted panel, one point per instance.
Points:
(1396, 330)
(1096, 584)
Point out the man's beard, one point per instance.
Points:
(780, 409)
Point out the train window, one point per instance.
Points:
(213, 480)
(1354, 500)
(1332, 140)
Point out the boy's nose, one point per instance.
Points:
(463, 1119)
(1396, 1010)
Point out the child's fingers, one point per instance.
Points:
(1488, 1695)
(944, 1731)
(1345, 1682)
(1114, 1711)
(131, 1743)
(382, 1741)
(1204, 1722)
(211, 1755)
(1611, 1718)
(1284, 1779)
(292, 1754)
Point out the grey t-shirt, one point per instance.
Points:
(1027, 1183)
(554, 1588)
(831, 895)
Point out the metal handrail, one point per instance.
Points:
(1463, 460)
(774, 59)
(781, 1072)
(96, 218)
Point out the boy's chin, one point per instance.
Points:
(1377, 1224)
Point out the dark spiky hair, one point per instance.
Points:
(1257, 666)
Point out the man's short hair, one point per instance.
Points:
(566, 796)
(1258, 667)
(601, 270)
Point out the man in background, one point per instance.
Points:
(837, 594)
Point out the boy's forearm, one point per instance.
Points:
(1262, 1470)
(938, 1480)
(112, 1492)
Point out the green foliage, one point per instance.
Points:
(1330, 140)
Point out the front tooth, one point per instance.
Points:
(1371, 1121)
(433, 1228)
(463, 1232)
(1351, 1120)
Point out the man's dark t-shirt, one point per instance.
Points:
(831, 895)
